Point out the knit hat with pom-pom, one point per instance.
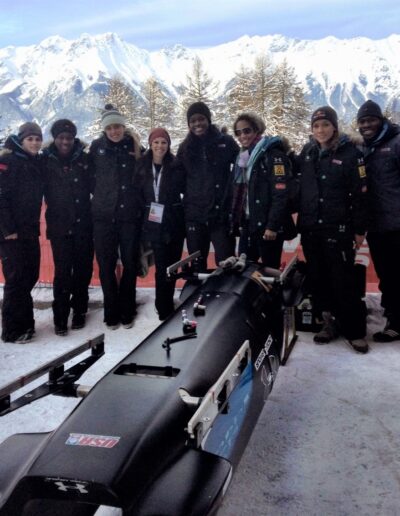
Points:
(110, 116)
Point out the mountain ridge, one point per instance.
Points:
(65, 78)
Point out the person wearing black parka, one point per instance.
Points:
(117, 211)
(21, 195)
(164, 226)
(207, 157)
(332, 222)
(69, 224)
(381, 148)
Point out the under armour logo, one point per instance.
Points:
(62, 486)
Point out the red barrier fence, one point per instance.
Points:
(46, 265)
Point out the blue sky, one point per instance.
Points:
(153, 24)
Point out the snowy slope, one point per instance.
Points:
(60, 77)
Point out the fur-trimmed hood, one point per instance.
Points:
(129, 133)
(12, 146)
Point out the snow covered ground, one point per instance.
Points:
(328, 439)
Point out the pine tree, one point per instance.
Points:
(240, 95)
(289, 111)
(157, 109)
(122, 96)
(262, 84)
(199, 87)
(392, 110)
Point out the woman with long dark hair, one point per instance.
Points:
(332, 218)
(21, 193)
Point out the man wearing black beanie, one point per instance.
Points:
(207, 157)
(68, 224)
(381, 147)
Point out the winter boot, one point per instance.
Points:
(359, 345)
(388, 334)
(328, 331)
(61, 330)
(78, 321)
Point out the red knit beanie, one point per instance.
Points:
(159, 132)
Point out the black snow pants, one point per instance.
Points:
(330, 272)
(21, 262)
(73, 267)
(113, 240)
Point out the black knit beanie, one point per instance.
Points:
(325, 113)
(29, 129)
(63, 126)
(369, 108)
(198, 108)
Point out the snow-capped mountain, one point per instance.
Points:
(65, 78)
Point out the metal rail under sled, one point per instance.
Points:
(60, 381)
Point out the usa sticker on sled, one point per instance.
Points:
(96, 441)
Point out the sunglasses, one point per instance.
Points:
(245, 130)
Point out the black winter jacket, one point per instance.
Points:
(116, 191)
(268, 190)
(171, 187)
(67, 192)
(208, 163)
(332, 189)
(21, 191)
(382, 159)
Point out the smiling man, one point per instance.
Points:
(69, 224)
(381, 146)
(207, 157)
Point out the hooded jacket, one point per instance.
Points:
(21, 191)
(67, 192)
(382, 159)
(332, 188)
(268, 183)
(116, 191)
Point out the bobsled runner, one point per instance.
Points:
(163, 431)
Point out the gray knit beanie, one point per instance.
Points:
(111, 115)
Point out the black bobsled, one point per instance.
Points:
(163, 431)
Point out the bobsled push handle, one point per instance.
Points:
(181, 263)
(59, 382)
(279, 278)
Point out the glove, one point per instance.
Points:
(229, 263)
(240, 263)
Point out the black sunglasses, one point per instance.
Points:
(245, 130)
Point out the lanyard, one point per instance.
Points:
(156, 182)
